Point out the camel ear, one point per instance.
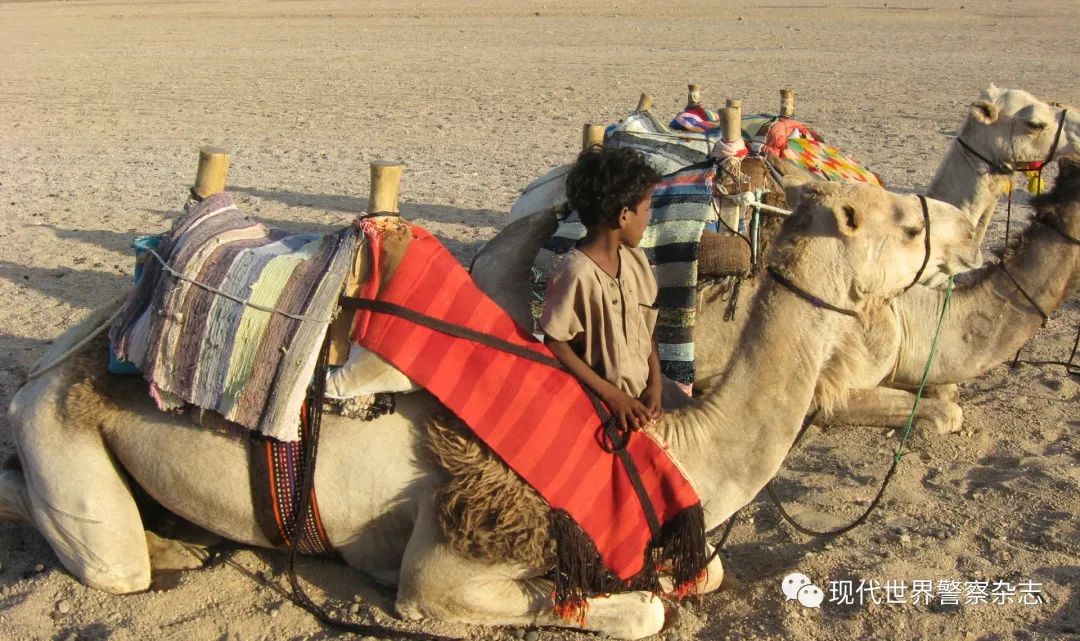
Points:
(797, 187)
(848, 219)
(985, 111)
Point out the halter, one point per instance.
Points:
(1013, 166)
(819, 302)
(805, 295)
(926, 236)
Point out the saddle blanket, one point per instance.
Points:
(536, 417)
(681, 208)
(212, 349)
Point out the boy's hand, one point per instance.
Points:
(651, 399)
(629, 411)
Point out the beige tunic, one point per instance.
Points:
(608, 322)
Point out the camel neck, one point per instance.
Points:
(734, 439)
(967, 183)
(988, 318)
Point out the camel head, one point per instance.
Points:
(880, 236)
(1010, 127)
(1061, 205)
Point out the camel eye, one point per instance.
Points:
(1036, 125)
(912, 232)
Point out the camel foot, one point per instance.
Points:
(944, 417)
(167, 555)
(712, 580)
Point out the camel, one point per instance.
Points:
(1007, 126)
(81, 434)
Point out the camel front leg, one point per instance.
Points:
(887, 407)
(438, 583)
(77, 497)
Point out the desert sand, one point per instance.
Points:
(103, 106)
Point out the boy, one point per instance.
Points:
(599, 311)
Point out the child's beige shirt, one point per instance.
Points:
(608, 322)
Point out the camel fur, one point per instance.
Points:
(380, 512)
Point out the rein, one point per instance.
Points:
(897, 455)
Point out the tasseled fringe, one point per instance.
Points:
(682, 544)
(580, 573)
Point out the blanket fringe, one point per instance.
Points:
(580, 574)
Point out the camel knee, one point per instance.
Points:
(944, 392)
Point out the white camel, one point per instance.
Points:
(76, 428)
(1005, 126)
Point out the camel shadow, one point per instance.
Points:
(79, 288)
(471, 227)
(1066, 620)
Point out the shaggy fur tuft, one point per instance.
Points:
(486, 511)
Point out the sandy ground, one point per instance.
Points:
(103, 106)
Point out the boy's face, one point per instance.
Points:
(632, 222)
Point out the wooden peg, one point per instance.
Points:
(385, 178)
(591, 135)
(731, 121)
(693, 95)
(734, 102)
(787, 102)
(644, 103)
(213, 169)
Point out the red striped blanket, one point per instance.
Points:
(535, 417)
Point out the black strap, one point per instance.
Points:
(1020, 289)
(1002, 169)
(926, 230)
(1058, 231)
(1057, 137)
(805, 295)
(439, 325)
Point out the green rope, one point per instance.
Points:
(896, 457)
(926, 374)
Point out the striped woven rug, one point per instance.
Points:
(201, 348)
(681, 206)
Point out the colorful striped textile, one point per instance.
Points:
(664, 153)
(277, 474)
(696, 119)
(681, 207)
(201, 348)
(534, 416)
(826, 161)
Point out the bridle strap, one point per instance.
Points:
(807, 296)
(1024, 293)
(1057, 230)
(1057, 136)
(1010, 167)
(926, 235)
(995, 168)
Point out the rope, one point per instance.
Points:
(246, 303)
(76, 347)
(899, 454)
(310, 455)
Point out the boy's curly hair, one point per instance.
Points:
(604, 180)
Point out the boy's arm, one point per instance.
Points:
(654, 386)
(629, 411)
